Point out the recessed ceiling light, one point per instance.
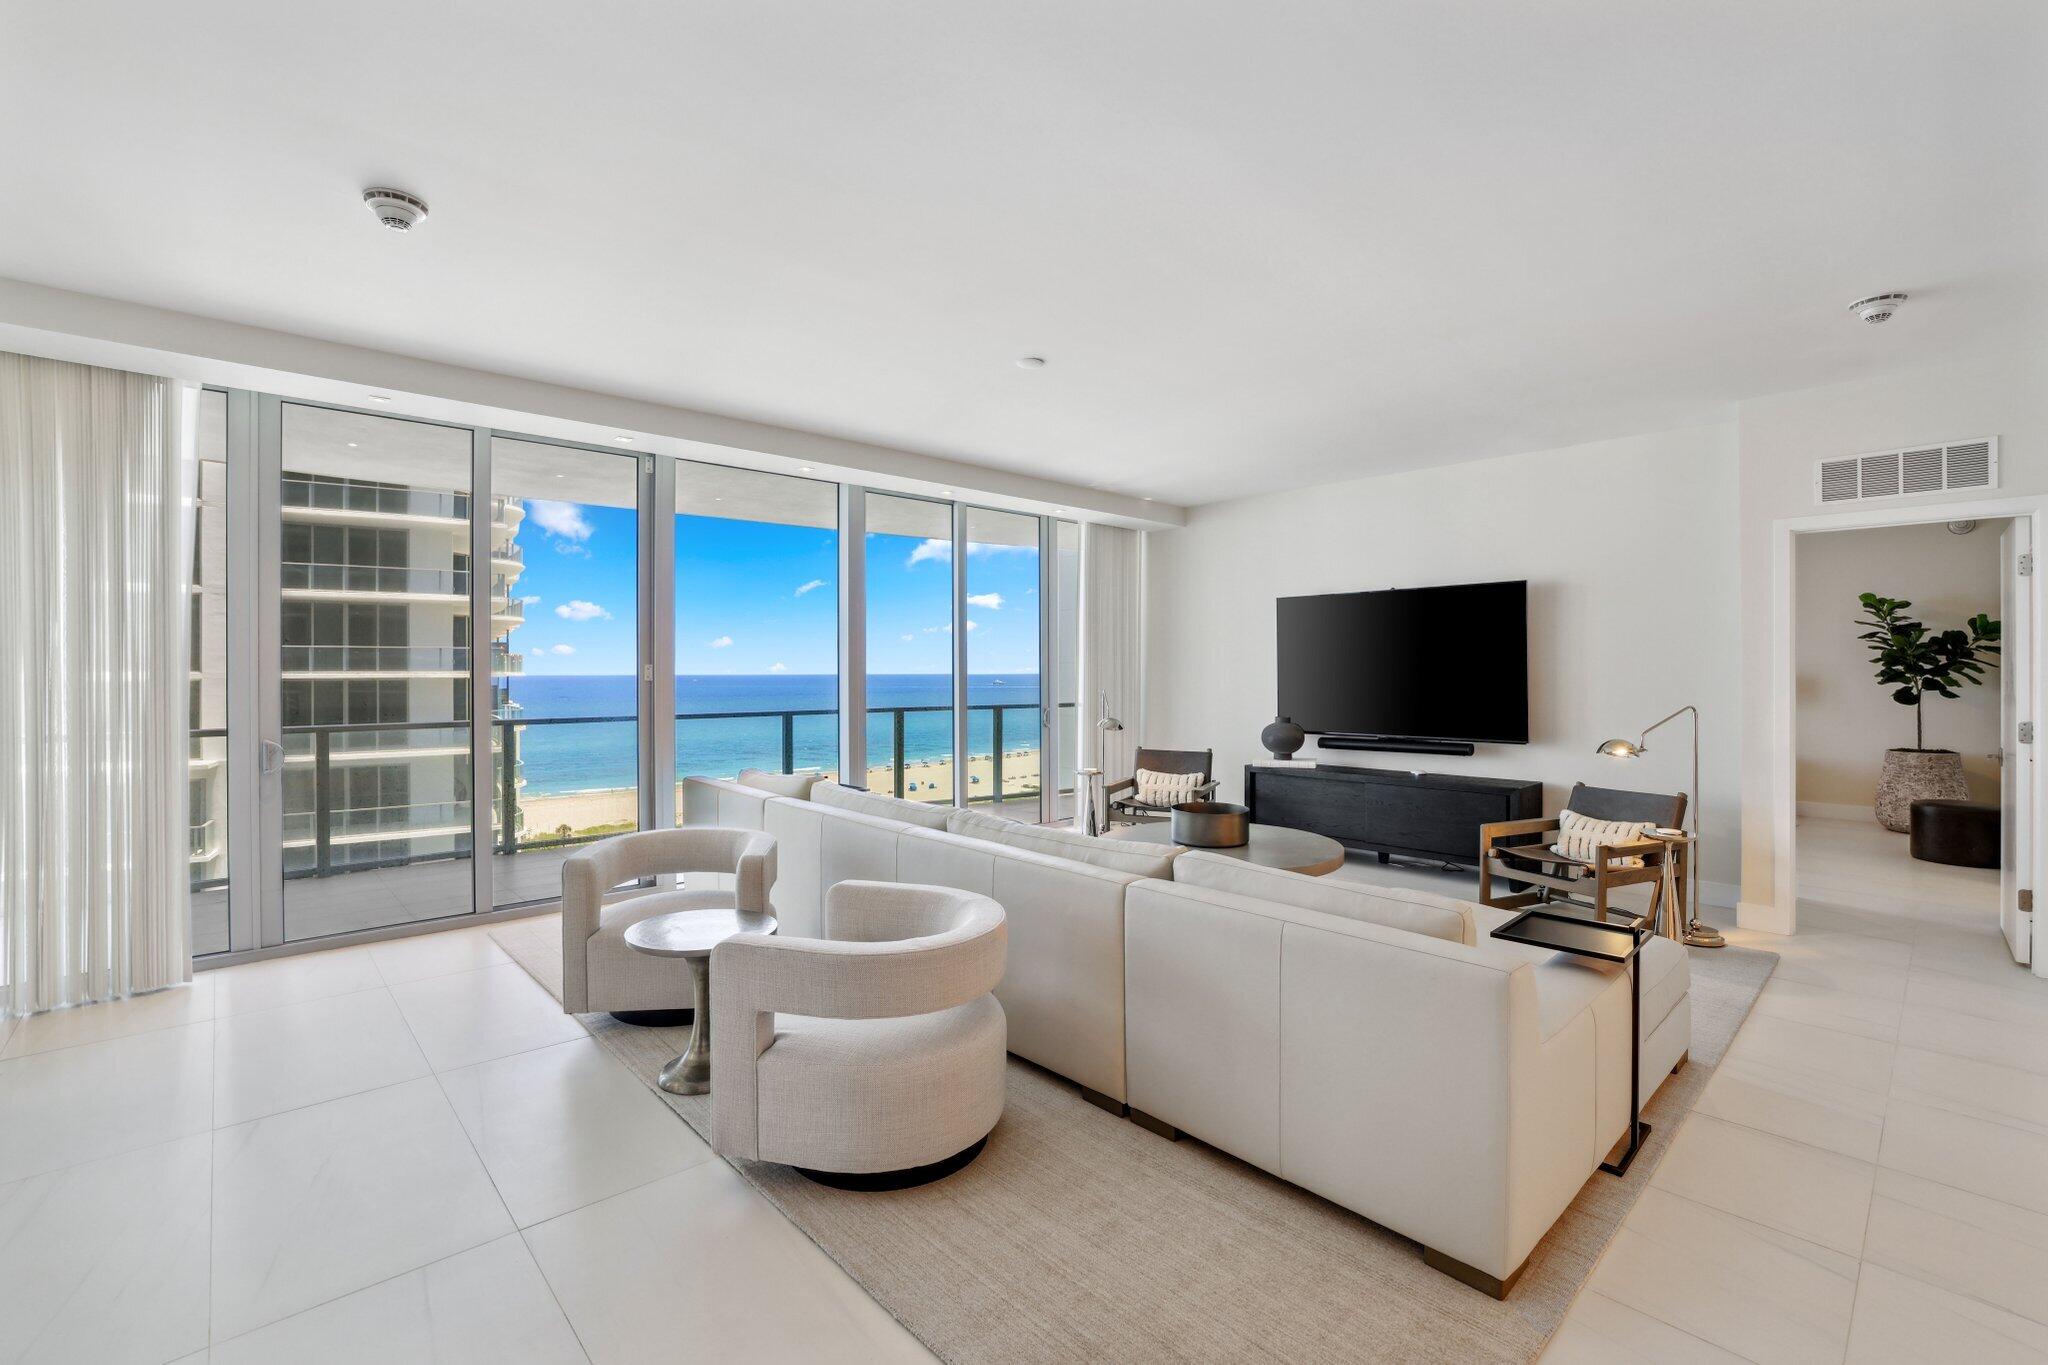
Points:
(622, 440)
(351, 445)
(945, 492)
(803, 469)
(1030, 362)
(380, 398)
(561, 476)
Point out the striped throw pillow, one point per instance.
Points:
(1581, 836)
(1166, 789)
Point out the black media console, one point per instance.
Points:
(1386, 811)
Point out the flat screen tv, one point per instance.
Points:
(1410, 663)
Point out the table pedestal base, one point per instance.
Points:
(690, 1074)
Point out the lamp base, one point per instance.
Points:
(1702, 935)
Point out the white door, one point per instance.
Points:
(2016, 774)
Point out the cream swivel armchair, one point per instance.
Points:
(599, 972)
(871, 1058)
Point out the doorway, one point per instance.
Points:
(1857, 747)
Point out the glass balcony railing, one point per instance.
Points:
(376, 659)
(329, 495)
(375, 578)
(602, 752)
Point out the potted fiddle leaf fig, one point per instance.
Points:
(1915, 662)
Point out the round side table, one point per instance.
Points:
(691, 935)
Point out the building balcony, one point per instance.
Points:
(363, 504)
(338, 661)
(375, 580)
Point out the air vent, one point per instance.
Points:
(1905, 473)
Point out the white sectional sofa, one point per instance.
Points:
(1370, 1044)
(1063, 989)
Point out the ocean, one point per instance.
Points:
(602, 751)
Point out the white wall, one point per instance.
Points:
(1780, 437)
(1629, 547)
(1846, 720)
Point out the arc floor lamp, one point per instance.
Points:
(1698, 933)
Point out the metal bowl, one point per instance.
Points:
(1211, 824)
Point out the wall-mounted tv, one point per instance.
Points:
(1446, 663)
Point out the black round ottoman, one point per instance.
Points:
(1964, 833)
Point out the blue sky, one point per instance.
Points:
(759, 598)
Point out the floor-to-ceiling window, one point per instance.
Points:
(207, 763)
(756, 622)
(909, 571)
(565, 658)
(1004, 746)
(445, 639)
(374, 671)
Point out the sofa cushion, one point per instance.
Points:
(1418, 912)
(1118, 855)
(927, 815)
(796, 785)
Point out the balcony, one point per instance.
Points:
(393, 660)
(376, 580)
(368, 502)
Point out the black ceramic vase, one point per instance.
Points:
(1282, 737)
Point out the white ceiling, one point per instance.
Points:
(1261, 245)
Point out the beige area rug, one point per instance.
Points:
(1077, 1235)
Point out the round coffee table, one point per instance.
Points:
(1291, 850)
(691, 935)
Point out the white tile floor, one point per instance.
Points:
(1866, 1177)
(395, 1153)
(406, 1152)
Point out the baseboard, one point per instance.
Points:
(1765, 919)
(1822, 810)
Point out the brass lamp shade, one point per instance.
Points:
(1620, 748)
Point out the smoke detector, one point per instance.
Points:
(395, 209)
(1878, 307)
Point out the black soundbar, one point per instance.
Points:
(1385, 744)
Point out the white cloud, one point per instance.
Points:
(778, 668)
(941, 550)
(529, 601)
(993, 601)
(947, 629)
(812, 586)
(722, 642)
(576, 609)
(564, 519)
(974, 625)
(908, 638)
(556, 649)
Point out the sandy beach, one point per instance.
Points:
(582, 811)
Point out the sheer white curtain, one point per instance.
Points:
(94, 669)
(1112, 587)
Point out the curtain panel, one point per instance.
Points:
(1112, 586)
(94, 669)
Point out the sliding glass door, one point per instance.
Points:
(910, 609)
(756, 622)
(1005, 750)
(374, 671)
(565, 659)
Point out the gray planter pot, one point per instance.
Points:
(1917, 775)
